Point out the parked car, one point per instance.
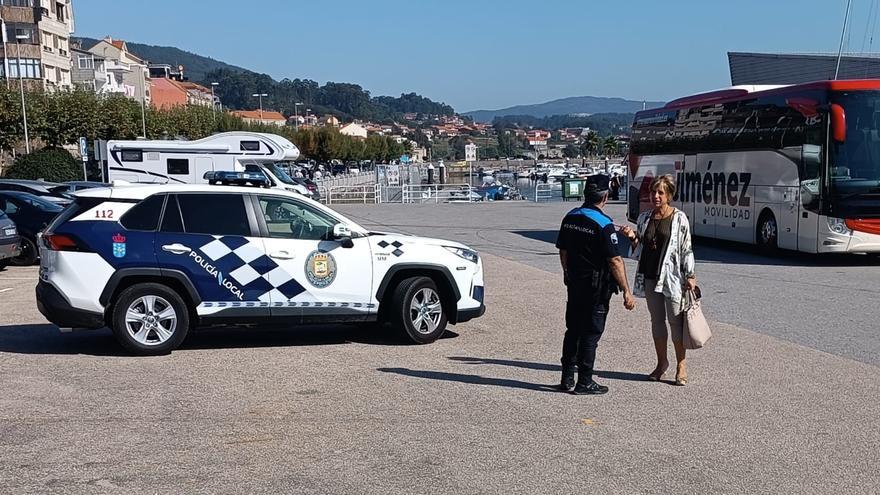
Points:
(311, 186)
(31, 215)
(9, 240)
(50, 191)
(162, 259)
(79, 185)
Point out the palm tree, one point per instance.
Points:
(609, 146)
(590, 144)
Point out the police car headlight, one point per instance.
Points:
(464, 253)
(838, 226)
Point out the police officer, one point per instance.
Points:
(593, 270)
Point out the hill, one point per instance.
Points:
(237, 84)
(196, 66)
(566, 106)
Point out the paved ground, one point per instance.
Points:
(828, 303)
(339, 410)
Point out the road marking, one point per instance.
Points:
(5, 290)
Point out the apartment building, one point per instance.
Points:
(36, 41)
(135, 71)
(97, 74)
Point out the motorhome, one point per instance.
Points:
(187, 162)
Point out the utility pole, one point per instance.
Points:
(27, 141)
(842, 36)
(296, 116)
(260, 96)
(214, 103)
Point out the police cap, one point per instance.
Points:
(597, 183)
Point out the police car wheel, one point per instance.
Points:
(150, 319)
(418, 310)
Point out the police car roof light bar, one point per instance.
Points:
(237, 178)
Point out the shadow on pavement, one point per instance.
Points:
(611, 375)
(472, 379)
(719, 251)
(47, 339)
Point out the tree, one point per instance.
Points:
(590, 144)
(570, 151)
(506, 143)
(609, 146)
(51, 164)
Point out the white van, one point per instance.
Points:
(186, 162)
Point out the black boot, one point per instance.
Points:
(567, 378)
(589, 387)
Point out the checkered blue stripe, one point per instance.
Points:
(249, 266)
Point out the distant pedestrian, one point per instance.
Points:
(662, 244)
(593, 270)
(318, 174)
(615, 188)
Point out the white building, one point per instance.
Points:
(354, 130)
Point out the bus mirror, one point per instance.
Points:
(838, 123)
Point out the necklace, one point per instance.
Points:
(660, 215)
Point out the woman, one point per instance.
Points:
(662, 244)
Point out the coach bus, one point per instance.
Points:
(791, 167)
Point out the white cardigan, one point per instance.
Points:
(678, 260)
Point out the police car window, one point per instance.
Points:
(291, 219)
(215, 214)
(144, 215)
(171, 221)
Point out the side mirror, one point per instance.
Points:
(838, 123)
(342, 234)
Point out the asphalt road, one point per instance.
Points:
(345, 410)
(827, 303)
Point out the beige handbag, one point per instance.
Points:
(696, 329)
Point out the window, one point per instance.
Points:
(171, 221)
(30, 68)
(144, 215)
(17, 3)
(178, 166)
(215, 214)
(86, 62)
(15, 29)
(250, 146)
(8, 206)
(132, 156)
(290, 219)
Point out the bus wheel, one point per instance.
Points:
(768, 233)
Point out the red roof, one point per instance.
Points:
(255, 115)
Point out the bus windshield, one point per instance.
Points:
(855, 163)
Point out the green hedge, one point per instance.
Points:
(54, 165)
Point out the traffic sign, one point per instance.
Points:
(84, 149)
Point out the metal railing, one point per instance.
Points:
(363, 194)
(546, 192)
(436, 193)
(363, 178)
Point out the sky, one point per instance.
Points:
(488, 54)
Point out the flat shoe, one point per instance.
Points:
(657, 374)
(681, 381)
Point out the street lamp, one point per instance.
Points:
(296, 116)
(18, 38)
(260, 96)
(214, 102)
(143, 68)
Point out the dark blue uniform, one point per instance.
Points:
(590, 240)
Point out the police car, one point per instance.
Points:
(154, 261)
